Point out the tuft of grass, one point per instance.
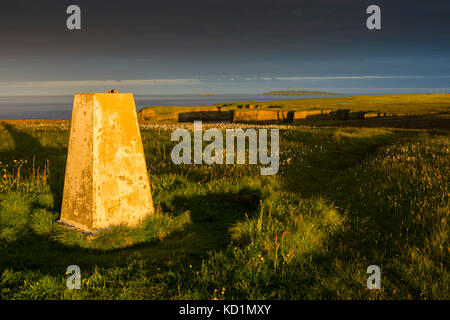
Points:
(14, 216)
(42, 221)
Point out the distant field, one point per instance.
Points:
(402, 105)
(298, 93)
(411, 104)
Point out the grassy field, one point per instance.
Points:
(400, 104)
(395, 103)
(344, 199)
(298, 93)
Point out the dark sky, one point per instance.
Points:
(184, 46)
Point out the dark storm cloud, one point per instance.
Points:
(205, 27)
(143, 39)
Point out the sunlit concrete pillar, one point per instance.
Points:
(106, 181)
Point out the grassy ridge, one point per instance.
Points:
(343, 199)
(297, 93)
(412, 104)
(401, 104)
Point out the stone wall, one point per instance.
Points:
(206, 116)
(255, 114)
(304, 115)
(266, 116)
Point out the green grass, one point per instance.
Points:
(343, 199)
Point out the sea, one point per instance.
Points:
(60, 107)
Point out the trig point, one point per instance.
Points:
(106, 181)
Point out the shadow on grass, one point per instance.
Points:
(428, 121)
(310, 173)
(27, 147)
(211, 215)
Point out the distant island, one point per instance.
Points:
(298, 93)
(206, 94)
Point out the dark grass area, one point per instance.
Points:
(436, 121)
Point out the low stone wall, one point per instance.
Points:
(357, 115)
(303, 115)
(265, 116)
(339, 115)
(206, 116)
(381, 115)
(269, 114)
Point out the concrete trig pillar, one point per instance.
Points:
(106, 180)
